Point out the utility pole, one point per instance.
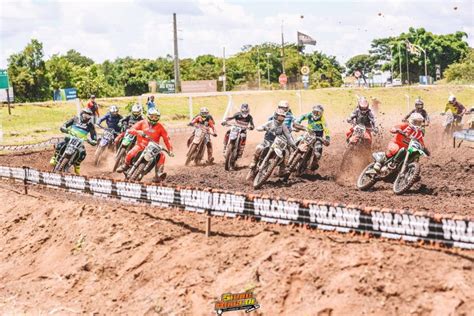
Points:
(282, 50)
(223, 69)
(268, 67)
(177, 83)
(400, 62)
(408, 68)
(258, 67)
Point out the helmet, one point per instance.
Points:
(244, 109)
(136, 110)
(317, 112)
(153, 116)
(92, 96)
(283, 104)
(419, 104)
(204, 112)
(279, 116)
(86, 115)
(451, 98)
(363, 105)
(113, 110)
(416, 120)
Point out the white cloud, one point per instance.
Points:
(143, 28)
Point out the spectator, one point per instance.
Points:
(94, 107)
(375, 105)
(151, 102)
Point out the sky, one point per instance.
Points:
(106, 29)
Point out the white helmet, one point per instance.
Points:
(279, 116)
(136, 110)
(451, 98)
(416, 120)
(113, 109)
(284, 105)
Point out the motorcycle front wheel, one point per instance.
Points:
(62, 165)
(405, 181)
(264, 173)
(365, 180)
(229, 162)
(119, 158)
(98, 154)
(191, 154)
(137, 174)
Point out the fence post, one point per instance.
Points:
(25, 181)
(208, 223)
(190, 104)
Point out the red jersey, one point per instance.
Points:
(209, 121)
(92, 105)
(155, 132)
(403, 141)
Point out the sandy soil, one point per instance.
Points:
(62, 253)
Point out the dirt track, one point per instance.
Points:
(63, 253)
(447, 184)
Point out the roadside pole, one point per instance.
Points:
(8, 101)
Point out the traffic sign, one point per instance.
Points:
(357, 73)
(305, 79)
(283, 79)
(4, 79)
(305, 70)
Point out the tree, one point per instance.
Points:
(441, 50)
(363, 63)
(77, 59)
(60, 72)
(27, 71)
(462, 72)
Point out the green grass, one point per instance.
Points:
(31, 123)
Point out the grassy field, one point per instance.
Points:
(33, 122)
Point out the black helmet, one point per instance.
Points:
(86, 115)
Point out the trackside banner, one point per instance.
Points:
(415, 227)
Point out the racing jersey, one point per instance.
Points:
(155, 132)
(79, 129)
(289, 119)
(129, 121)
(238, 117)
(111, 121)
(272, 129)
(422, 112)
(403, 141)
(208, 121)
(315, 125)
(456, 108)
(368, 119)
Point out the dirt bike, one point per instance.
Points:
(198, 145)
(304, 155)
(69, 153)
(128, 141)
(272, 156)
(404, 167)
(105, 141)
(144, 161)
(356, 144)
(233, 146)
(450, 124)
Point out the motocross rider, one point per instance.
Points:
(145, 130)
(419, 109)
(78, 127)
(316, 124)
(128, 121)
(456, 108)
(289, 118)
(204, 118)
(403, 132)
(362, 115)
(243, 117)
(94, 107)
(112, 119)
(272, 128)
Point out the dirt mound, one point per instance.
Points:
(77, 254)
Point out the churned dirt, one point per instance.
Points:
(66, 254)
(447, 184)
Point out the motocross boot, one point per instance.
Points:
(77, 169)
(54, 161)
(160, 175)
(210, 159)
(123, 168)
(380, 159)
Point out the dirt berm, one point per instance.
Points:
(67, 254)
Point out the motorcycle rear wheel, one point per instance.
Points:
(412, 173)
(364, 181)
